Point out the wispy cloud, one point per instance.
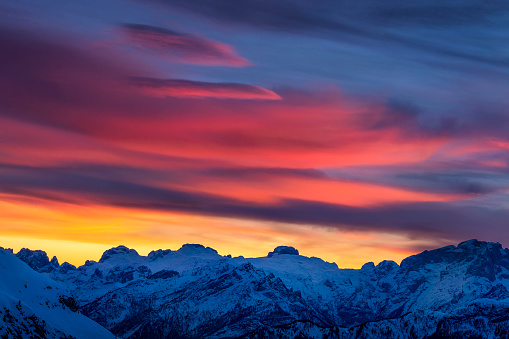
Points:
(196, 89)
(395, 22)
(402, 132)
(180, 47)
(448, 220)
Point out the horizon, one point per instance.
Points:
(145, 253)
(353, 132)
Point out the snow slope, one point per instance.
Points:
(34, 306)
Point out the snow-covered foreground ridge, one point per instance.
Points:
(455, 291)
(34, 306)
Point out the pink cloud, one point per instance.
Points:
(182, 48)
(196, 89)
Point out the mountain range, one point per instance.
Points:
(452, 292)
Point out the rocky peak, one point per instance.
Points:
(368, 266)
(471, 243)
(118, 251)
(66, 267)
(38, 260)
(54, 262)
(480, 257)
(193, 249)
(386, 266)
(476, 245)
(283, 250)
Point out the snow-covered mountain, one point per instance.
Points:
(455, 291)
(34, 306)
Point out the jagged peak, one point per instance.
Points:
(119, 250)
(25, 252)
(66, 267)
(283, 250)
(54, 261)
(8, 250)
(195, 249)
(38, 260)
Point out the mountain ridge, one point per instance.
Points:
(195, 292)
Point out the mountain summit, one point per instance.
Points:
(283, 250)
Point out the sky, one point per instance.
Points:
(353, 131)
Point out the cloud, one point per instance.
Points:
(256, 172)
(427, 219)
(300, 15)
(188, 88)
(55, 84)
(396, 23)
(452, 181)
(180, 47)
(475, 169)
(80, 132)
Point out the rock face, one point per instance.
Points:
(38, 260)
(455, 291)
(283, 250)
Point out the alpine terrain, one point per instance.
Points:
(451, 292)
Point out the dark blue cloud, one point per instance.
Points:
(300, 15)
(444, 176)
(390, 21)
(441, 66)
(259, 172)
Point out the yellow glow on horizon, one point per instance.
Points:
(78, 233)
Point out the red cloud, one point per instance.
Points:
(181, 47)
(188, 88)
(77, 107)
(59, 85)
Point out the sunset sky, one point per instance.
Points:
(353, 131)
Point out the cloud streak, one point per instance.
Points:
(429, 219)
(417, 150)
(180, 47)
(381, 21)
(196, 89)
(80, 92)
